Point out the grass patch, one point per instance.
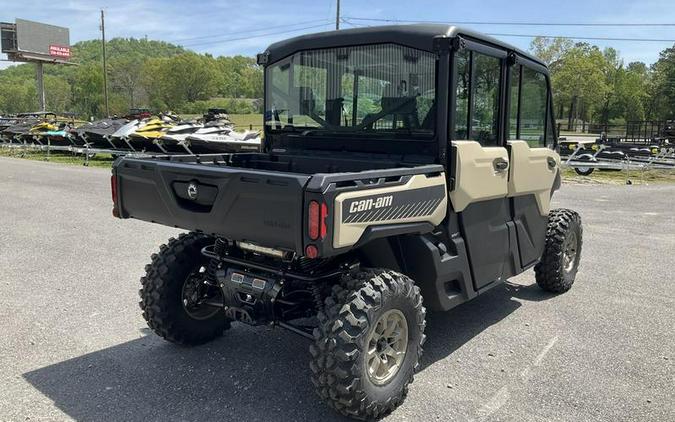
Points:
(244, 121)
(99, 160)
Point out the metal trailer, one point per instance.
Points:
(86, 150)
(584, 163)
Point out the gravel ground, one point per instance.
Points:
(73, 345)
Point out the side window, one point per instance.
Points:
(485, 99)
(533, 107)
(514, 92)
(462, 110)
(550, 127)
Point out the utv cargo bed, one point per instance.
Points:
(243, 197)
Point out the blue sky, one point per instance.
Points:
(230, 27)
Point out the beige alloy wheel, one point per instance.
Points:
(570, 252)
(387, 346)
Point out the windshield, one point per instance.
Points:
(375, 90)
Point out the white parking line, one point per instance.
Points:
(544, 351)
(495, 402)
(499, 399)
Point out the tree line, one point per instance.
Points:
(589, 84)
(141, 73)
(594, 85)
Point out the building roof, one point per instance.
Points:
(420, 36)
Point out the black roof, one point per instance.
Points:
(420, 36)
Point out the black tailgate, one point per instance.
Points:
(235, 203)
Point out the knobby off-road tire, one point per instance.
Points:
(162, 293)
(348, 324)
(560, 262)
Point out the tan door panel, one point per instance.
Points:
(476, 177)
(533, 171)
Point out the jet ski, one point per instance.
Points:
(224, 141)
(51, 133)
(97, 134)
(174, 139)
(60, 137)
(143, 139)
(6, 122)
(121, 136)
(19, 132)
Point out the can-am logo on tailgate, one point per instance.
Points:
(192, 191)
(371, 203)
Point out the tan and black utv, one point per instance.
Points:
(405, 168)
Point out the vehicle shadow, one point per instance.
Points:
(448, 331)
(250, 374)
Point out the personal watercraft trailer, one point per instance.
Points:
(215, 135)
(644, 145)
(154, 136)
(408, 188)
(17, 130)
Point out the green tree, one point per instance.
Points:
(581, 81)
(88, 89)
(630, 92)
(551, 50)
(17, 95)
(57, 94)
(240, 77)
(125, 75)
(181, 79)
(661, 87)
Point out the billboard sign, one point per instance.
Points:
(39, 38)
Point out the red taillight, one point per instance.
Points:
(311, 251)
(324, 214)
(317, 220)
(313, 220)
(113, 188)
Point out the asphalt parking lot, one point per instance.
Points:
(73, 345)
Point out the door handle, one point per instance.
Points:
(500, 165)
(551, 162)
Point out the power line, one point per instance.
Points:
(355, 25)
(255, 36)
(326, 21)
(515, 23)
(348, 20)
(583, 38)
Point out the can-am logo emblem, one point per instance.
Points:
(192, 191)
(370, 203)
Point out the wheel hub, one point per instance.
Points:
(570, 252)
(193, 294)
(387, 346)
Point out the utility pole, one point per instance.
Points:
(39, 77)
(105, 72)
(337, 16)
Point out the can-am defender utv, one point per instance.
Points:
(400, 163)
